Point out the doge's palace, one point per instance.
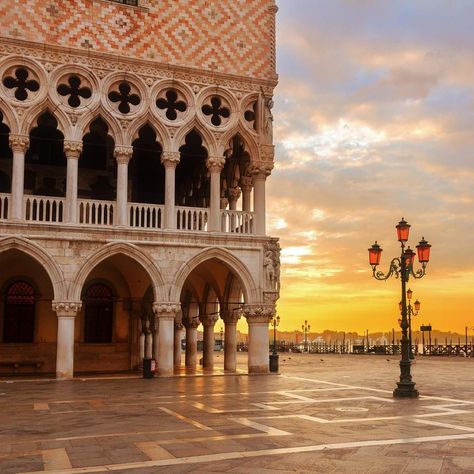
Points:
(135, 145)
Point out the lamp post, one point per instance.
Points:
(412, 311)
(274, 355)
(305, 327)
(402, 267)
(222, 338)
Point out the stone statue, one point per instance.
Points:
(268, 122)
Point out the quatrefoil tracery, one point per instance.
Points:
(21, 83)
(74, 91)
(251, 114)
(216, 110)
(124, 97)
(171, 104)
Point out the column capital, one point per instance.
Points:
(68, 309)
(170, 158)
(18, 142)
(178, 326)
(166, 310)
(210, 320)
(223, 202)
(261, 169)
(230, 317)
(191, 323)
(72, 149)
(215, 163)
(246, 182)
(260, 313)
(123, 154)
(234, 193)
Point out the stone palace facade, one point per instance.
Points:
(135, 145)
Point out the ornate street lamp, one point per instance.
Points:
(412, 311)
(274, 355)
(305, 327)
(402, 267)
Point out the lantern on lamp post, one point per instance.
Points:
(402, 267)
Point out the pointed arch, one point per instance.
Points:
(10, 119)
(83, 125)
(228, 259)
(250, 143)
(37, 252)
(30, 119)
(208, 140)
(109, 250)
(162, 135)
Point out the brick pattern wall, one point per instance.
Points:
(227, 36)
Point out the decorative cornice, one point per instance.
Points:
(215, 163)
(166, 310)
(123, 154)
(170, 158)
(72, 149)
(18, 142)
(66, 308)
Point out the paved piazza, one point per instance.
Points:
(324, 413)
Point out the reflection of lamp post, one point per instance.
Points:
(305, 327)
(222, 337)
(412, 311)
(274, 356)
(402, 267)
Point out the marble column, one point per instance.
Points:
(259, 179)
(170, 159)
(166, 313)
(148, 343)
(19, 145)
(66, 313)
(156, 331)
(73, 151)
(215, 165)
(208, 323)
(230, 340)
(178, 331)
(258, 318)
(246, 185)
(123, 154)
(191, 326)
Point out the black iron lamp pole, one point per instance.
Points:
(402, 267)
(275, 323)
(412, 311)
(306, 327)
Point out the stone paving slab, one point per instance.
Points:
(321, 414)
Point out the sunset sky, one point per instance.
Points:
(374, 120)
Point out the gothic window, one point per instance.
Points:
(21, 83)
(216, 110)
(98, 324)
(74, 90)
(19, 316)
(124, 97)
(5, 151)
(171, 104)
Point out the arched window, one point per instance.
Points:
(19, 319)
(98, 325)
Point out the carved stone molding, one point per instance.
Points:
(66, 308)
(19, 143)
(170, 158)
(259, 313)
(72, 149)
(123, 154)
(166, 310)
(215, 163)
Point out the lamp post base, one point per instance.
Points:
(405, 390)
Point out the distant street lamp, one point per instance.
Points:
(412, 311)
(402, 267)
(274, 355)
(305, 327)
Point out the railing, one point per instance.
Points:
(49, 210)
(96, 212)
(4, 203)
(146, 216)
(237, 222)
(192, 218)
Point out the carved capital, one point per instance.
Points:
(123, 154)
(261, 168)
(67, 308)
(230, 317)
(210, 320)
(259, 313)
(19, 142)
(178, 326)
(267, 153)
(224, 202)
(166, 310)
(215, 163)
(234, 193)
(72, 149)
(246, 183)
(192, 323)
(170, 158)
